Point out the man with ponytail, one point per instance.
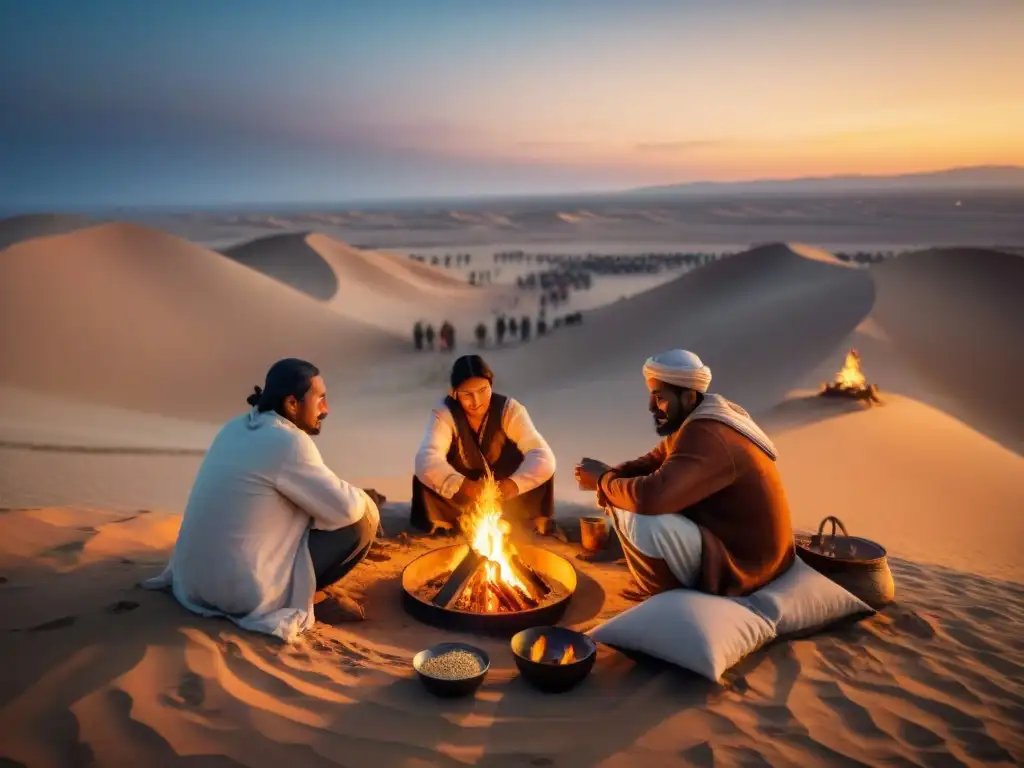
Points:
(268, 524)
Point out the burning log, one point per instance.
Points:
(460, 579)
(537, 586)
(491, 577)
(511, 596)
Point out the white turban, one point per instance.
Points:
(679, 367)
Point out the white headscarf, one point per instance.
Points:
(679, 367)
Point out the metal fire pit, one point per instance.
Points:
(550, 566)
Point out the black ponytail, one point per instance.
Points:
(254, 398)
(288, 377)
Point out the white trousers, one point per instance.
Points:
(672, 538)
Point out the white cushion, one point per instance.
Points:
(802, 600)
(697, 631)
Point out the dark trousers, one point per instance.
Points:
(337, 552)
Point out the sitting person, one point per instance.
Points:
(471, 429)
(706, 508)
(267, 523)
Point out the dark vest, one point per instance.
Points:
(471, 452)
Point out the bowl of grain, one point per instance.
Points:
(451, 669)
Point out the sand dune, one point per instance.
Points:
(139, 320)
(956, 316)
(289, 259)
(18, 228)
(742, 314)
(131, 317)
(381, 289)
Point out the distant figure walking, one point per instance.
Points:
(429, 334)
(417, 335)
(542, 327)
(481, 335)
(524, 328)
(513, 327)
(447, 336)
(499, 329)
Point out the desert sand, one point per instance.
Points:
(125, 346)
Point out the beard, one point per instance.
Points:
(665, 424)
(314, 428)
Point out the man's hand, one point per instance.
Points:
(508, 489)
(588, 471)
(471, 489)
(376, 498)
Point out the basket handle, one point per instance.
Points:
(835, 522)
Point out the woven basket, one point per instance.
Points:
(858, 565)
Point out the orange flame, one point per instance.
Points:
(488, 535)
(540, 647)
(850, 376)
(537, 649)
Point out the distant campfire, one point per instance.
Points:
(850, 383)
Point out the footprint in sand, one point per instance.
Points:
(377, 557)
(914, 625)
(191, 690)
(122, 606)
(46, 626)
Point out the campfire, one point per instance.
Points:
(849, 382)
(492, 577)
(489, 583)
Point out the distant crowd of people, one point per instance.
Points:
(865, 257)
(506, 329)
(614, 263)
(447, 260)
(579, 263)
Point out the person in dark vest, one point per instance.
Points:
(469, 431)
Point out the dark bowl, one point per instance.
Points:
(554, 678)
(450, 688)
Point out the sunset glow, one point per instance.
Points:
(322, 100)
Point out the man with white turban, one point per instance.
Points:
(706, 508)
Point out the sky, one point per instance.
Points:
(221, 102)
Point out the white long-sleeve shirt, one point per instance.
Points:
(434, 471)
(242, 550)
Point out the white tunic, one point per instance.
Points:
(434, 471)
(242, 550)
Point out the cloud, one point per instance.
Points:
(678, 146)
(570, 144)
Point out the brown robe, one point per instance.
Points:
(729, 487)
(469, 454)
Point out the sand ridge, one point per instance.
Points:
(124, 315)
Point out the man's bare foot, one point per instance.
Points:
(335, 607)
(633, 595)
(599, 556)
(441, 528)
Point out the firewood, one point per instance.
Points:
(536, 586)
(512, 595)
(459, 579)
(501, 596)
